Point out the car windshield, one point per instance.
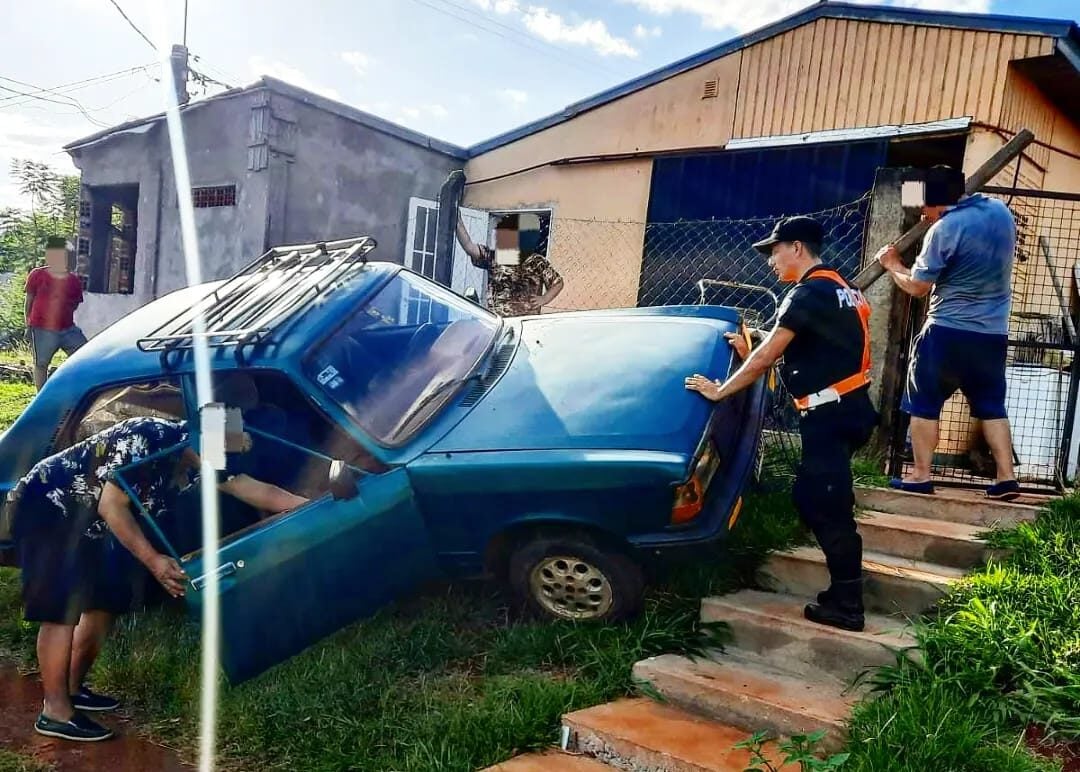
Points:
(398, 359)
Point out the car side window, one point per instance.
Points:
(110, 406)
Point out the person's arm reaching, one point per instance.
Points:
(889, 258)
(753, 367)
(115, 509)
(481, 257)
(261, 495)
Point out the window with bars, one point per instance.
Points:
(212, 196)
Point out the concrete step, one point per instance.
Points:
(772, 625)
(550, 761)
(923, 538)
(744, 691)
(639, 735)
(944, 505)
(893, 585)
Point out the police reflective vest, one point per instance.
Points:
(835, 391)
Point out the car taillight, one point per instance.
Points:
(690, 496)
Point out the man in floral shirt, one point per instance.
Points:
(74, 576)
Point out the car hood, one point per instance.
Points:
(598, 382)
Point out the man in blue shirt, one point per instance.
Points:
(966, 267)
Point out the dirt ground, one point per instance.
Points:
(20, 703)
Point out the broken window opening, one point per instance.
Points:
(108, 238)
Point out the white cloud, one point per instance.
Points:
(360, 62)
(641, 32)
(592, 32)
(743, 17)
(28, 138)
(513, 96)
(277, 69)
(499, 6)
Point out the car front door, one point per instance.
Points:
(290, 580)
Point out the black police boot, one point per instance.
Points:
(839, 606)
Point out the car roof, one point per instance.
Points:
(115, 353)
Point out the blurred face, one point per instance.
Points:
(787, 261)
(56, 259)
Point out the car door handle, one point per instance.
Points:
(225, 569)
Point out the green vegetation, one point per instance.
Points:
(14, 762)
(452, 680)
(1003, 654)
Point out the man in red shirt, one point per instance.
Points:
(52, 295)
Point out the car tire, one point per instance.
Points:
(575, 577)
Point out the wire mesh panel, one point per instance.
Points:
(606, 264)
(1041, 367)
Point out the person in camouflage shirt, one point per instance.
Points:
(75, 576)
(513, 290)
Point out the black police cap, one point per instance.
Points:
(804, 229)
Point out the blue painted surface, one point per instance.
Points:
(695, 197)
(586, 425)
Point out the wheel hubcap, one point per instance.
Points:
(571, 588)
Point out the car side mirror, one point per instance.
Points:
(471, 295)
(344, 481)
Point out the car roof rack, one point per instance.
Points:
(261, 296)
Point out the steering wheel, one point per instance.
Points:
(426, 334)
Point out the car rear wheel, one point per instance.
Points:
(574, 577)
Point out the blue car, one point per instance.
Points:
(434, 439)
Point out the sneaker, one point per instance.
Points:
(1006, 490)
(835, 616)
(79, 729)
(92, 702)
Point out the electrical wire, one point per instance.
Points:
(85, 83)
(149, 42)
(563, 59)
(71, 103)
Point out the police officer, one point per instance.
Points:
(821, 333)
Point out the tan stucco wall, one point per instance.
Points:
(592, 244)
(824, 75)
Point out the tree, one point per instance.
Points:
(54, 207)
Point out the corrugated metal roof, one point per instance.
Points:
(1067, 33)
(294, 92)
(851, 135)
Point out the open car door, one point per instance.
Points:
(288, 581)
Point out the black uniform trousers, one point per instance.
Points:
(823, 491)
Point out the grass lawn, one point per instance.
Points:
(1002, 655)
(14, 396)
(13, 762)
(447, 681)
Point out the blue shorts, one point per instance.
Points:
(65, 573)
(943, 360)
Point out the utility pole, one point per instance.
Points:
(185, 23)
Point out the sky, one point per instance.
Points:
(459, 70)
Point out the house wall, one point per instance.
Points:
(828, 74)
(347, 179)
(301, 173)
(216, 137)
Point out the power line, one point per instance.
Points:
(66, 88)
(517, 32)
(132, 24)
(519, 40)
(72, 101)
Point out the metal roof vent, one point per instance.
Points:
(498, 366)
(712, 89)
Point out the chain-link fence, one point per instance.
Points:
(619, 264)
